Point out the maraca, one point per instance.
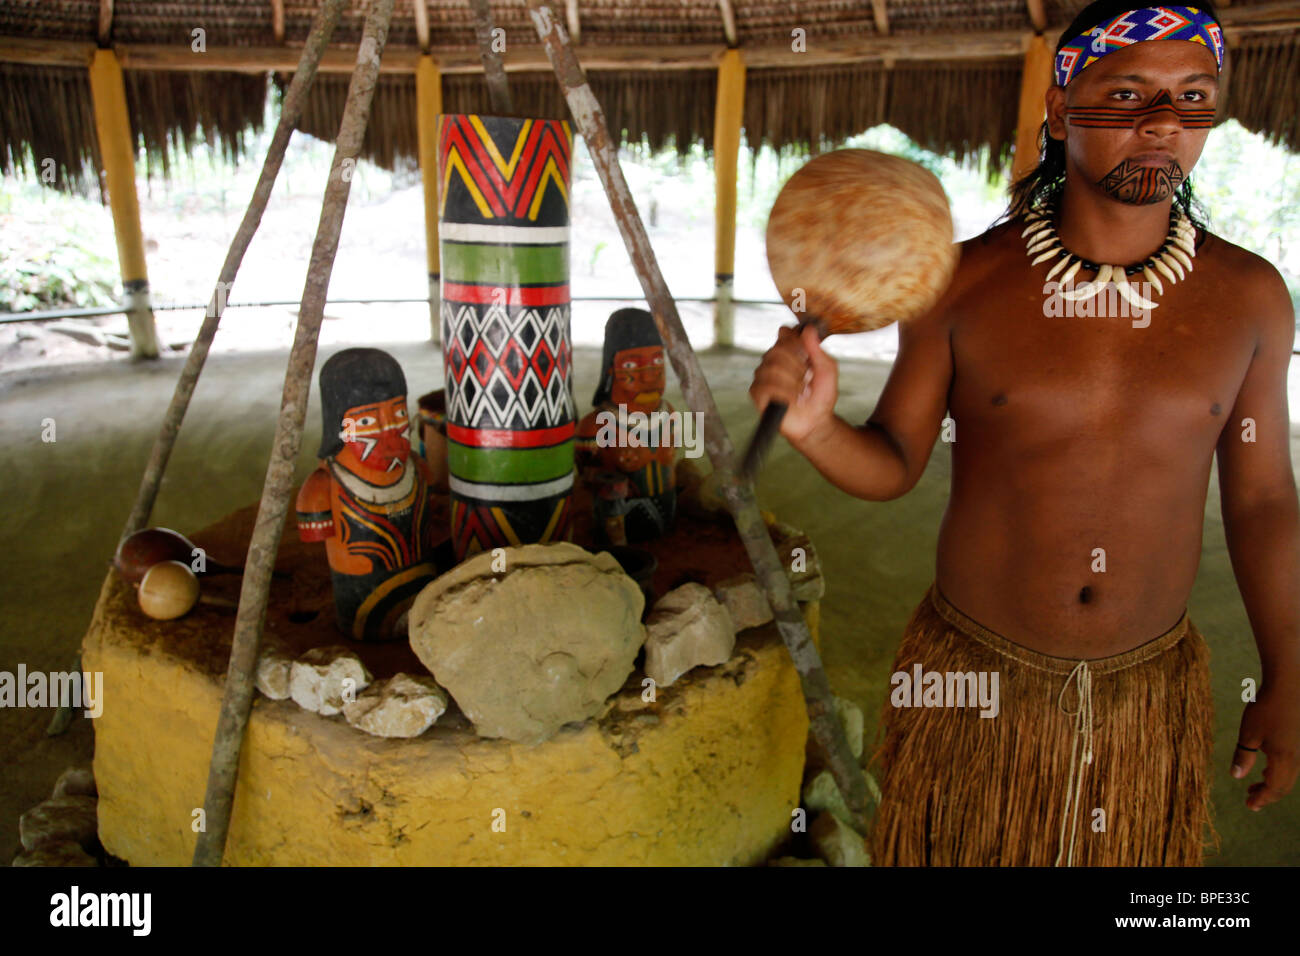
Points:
(856, 240)
(169, 589)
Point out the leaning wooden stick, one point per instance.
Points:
(238, 697)
(322, 28)
(590, 119)
(493, 69)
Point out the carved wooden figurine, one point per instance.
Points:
(629, 432)
(369, 498)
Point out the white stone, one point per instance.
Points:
(807, 582)
(744, 601)
(65, 853)
(838, 843)
(402, 706)
(75, 782)
(316, 680)
(274, 670)
(531, 642)
(822, 795)
(688, 628)
(58, 820)
(850, 715)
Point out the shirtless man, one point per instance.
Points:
(1079, 477)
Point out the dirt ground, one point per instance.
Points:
(66, 502)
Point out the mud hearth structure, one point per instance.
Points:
(707, 773)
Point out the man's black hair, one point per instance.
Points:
(1045, 182)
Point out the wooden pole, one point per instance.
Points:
(881, 14)
(322, 28)
(422, 24)
(726, 150)
(574, 20)
(728, 23)
(1037, 15)
(117, 151)
(105, 26)
(428, 104)
(277, 21)
(238, 697)
(590, 119)
(494, 70)
(1035, 80)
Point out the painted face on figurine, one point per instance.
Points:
(639, 376)
(377, 434)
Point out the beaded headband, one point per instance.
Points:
(1137, 26)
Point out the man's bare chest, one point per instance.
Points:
(1025, 367)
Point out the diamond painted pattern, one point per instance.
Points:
(510, 385)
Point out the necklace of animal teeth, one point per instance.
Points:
(1172, 261)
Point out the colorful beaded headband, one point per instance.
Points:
(1137, 26)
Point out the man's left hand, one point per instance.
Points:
(1271, 726)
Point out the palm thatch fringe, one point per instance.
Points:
(47, 114)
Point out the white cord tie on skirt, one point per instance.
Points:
(1082, 729)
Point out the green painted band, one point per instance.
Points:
(510, 465)
(507, 265)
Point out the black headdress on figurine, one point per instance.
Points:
(625, 329)
(350, 378)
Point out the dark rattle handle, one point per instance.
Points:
(769, 425)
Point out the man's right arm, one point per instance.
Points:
(885, 457)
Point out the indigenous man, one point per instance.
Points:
(369, 498)
(1079, 477)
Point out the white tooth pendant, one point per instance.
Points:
(1172, 263)
(1153, 279)
(1135, 299)
(1061, 263)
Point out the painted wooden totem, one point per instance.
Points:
(504, 239)
(626, 444)
(369, 498)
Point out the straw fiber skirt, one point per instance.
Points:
(1017, 787)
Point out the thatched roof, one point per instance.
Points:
(928, 77)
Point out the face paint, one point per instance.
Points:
(377, 434)
(639, 376)
(1138, 185)
(1110, 117)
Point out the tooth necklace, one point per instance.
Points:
(1173, 260)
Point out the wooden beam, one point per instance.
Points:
(881, 12)
(1034, 82)
(728, 22)
(428, 104)
(277, 21)
(105, 21)
(117, 152)
(573, 20)
(422, 24)
(726, 151)
(698, 56)
(1037, 15)
(1239, 22)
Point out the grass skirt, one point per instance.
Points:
(1016, 789)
